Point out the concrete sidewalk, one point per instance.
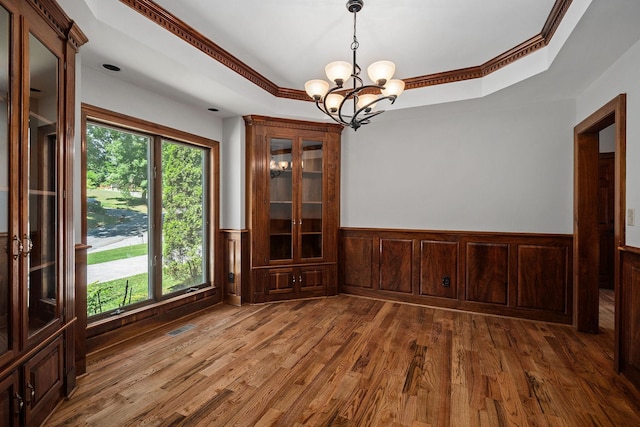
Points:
(118, 269)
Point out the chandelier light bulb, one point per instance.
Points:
(338, 72)
(381, 71)
(316, 89)
(366, 99)
(393, 87)
(333, 102)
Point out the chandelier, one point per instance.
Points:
(354, 106)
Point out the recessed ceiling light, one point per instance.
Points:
(213, 109)
(111, 67)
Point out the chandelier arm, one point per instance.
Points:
(342, 120)
(355, 123)
(359, 89)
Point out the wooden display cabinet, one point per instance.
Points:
(293, 208)
(38, 43)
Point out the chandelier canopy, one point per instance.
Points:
(354, 105)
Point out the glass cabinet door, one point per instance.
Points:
(281, 210)
(41, 233)
(5, 240)
(311, 218)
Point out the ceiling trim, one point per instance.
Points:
(181, 29)
(59, 21)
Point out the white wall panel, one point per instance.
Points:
(475, 165)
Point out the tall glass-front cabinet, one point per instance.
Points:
(293, 208)
(38, 43)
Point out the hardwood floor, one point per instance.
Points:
(349, 361)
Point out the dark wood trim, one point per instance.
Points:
(630, 249)
(108, 332)
(524, 275)
(236, 263)
(585, 207)
(113, 118)
(83, 176)
(275, 122)
(179, 28)
(81, 307)
(628, 311)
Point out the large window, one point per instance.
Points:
(149, 215)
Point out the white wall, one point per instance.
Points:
(102, 90)
(481, 165)
(621, 77)
(232, 159)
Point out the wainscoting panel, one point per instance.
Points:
(439, 268)
(628, 303)
(512, 274)
(487, 272)
(542, 277)
(236, 268)
(396, 270)
(358, 268)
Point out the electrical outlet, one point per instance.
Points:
(631, 217)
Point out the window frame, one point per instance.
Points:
(157, 134)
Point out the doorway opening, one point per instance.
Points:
(589, 242)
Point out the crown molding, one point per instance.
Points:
(187, 33)
(57, 19)
(256, 120)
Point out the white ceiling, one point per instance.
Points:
(289, 42)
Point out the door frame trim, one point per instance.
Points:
(586, 243)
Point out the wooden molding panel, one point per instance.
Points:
(487, 272)
(81, 308)
(396, 265)
(280, 280)
(542, 277)
(439, 268)
(179, 28)
(628, 315)
(236, 265)
(512, 274)
(358, 266)
(312, 278)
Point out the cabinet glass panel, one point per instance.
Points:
(41, 236)
(4, 181)
(311, 199)
(281, 199)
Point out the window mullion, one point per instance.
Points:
(155, 203)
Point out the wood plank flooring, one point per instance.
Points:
(349, 361)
